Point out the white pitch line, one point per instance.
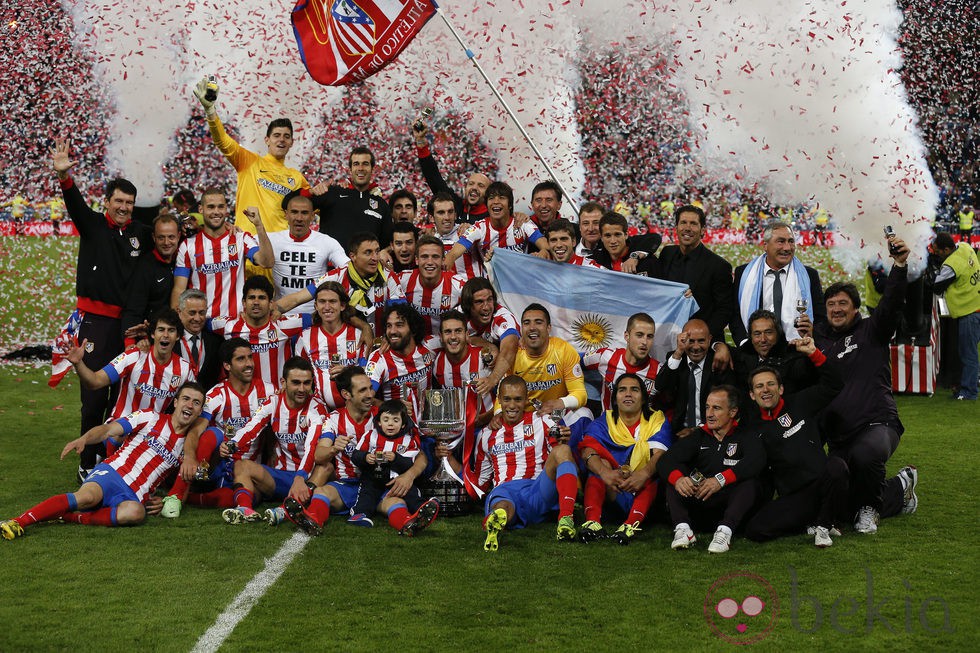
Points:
(256, 588)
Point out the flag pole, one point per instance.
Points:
(472, 57)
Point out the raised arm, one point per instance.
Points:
(90, 380)
(266, 256)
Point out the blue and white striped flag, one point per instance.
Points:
(589, 307)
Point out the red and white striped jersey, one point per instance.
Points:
(431, 303)
(611, 364)
(582, 260)
(294, 431)
(447, 374)
(270, 342)
(151, 449)
(514, 452)
(484, 237)
(470, 264)
(501, 325)
(148, 384)
(380, 294)
(406, 445)
(320, 347)
(299, 262)
(217, 267)
(340, 422)
(401, 377)
(230, 411)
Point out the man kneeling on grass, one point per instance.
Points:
(516, 454)
(114, 491)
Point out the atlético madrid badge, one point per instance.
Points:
(89, 347)
(785, 420)
(732, 448)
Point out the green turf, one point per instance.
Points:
(161, 585)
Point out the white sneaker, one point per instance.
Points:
(171, 507)
(833, 531)
(910, 478)
(721, 542)
(821, 537)
(683, 537)
(866, 520)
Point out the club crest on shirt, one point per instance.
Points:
(400, 449)
(304, 422)
(290, 181)
(373, 203)
(174, 381)
(445, 301)
(731, 449)
(232, 249)
(271, 335)
(528, 429)
(785, 420)
(351, 347)
(552, 369)
(89, 347)
(135, 242)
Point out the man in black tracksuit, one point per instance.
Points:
(711, 474)
(357, 207)
(153, 279)
(766, 345)
(812, 489)
(108, 249)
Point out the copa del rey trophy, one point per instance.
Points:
(444, 418)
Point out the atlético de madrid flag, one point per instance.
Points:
(347, 41)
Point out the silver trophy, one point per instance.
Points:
(444, 418)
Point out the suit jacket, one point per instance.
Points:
(710, 278)
(673, 385)
(210, 370)
(740, 331)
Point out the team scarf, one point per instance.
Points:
(362, 287)
(621, 435)
(796, 284)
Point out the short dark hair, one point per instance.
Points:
(501, 189)
(212, 190)
(443, 196)
(258, 282)
(360, 238)
(290, 196)
(470, 288)
(410, 314)
(452, 314)
(297, 363)
(362, 149)
(640, 317)
(227, 349)
(592, 207)
(512, 380)
(395, 407)
(191, 385)
(613, 218)
(644, 394)
(428, 239)
(345, 379)
(848, 289)
(403, 227)
(761, 370)
(185, 196)
(548, 184)
(403, 193)
(943, 241)
(561, 224)
(124, 186)
(534, 306)
(166, 217)
(763, 314)
(279, 122)
(730, 390)
(167, 316)
(690, 208)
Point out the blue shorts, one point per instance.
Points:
(115, 490)
(283, 481)
(347, 491)
(533, 499)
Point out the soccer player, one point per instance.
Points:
(301, 254)
(620, 451)
(370, 288)
(404, 238)
(498, 230)
(443, 212)
(292, 417)
(270, 339)
(633, 359)
(429, 289)
(113, 494)
(404, 370)
(151, 377)
(711, 474)
(213, 260)
(404, 206)
(332, 343)
(493, 324)
(633, 254)
(262, 180)
(229, 406)
(561, 241)
(533, 475)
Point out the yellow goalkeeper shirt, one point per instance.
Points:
(554, 375)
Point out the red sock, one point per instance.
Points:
(319, 509)
(100, 517)
(48, 509)
(595, 495)
(223, 497)
(641, 503)
(397, 517)
(244, 498)
(567, 486)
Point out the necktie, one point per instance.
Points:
(692, 397)
(195, 352)
(777, 293)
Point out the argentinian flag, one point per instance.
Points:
(590, 306)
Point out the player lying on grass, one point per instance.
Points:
(113, 493)
(534, 474)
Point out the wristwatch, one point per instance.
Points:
(636, 256)
(721, 479)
